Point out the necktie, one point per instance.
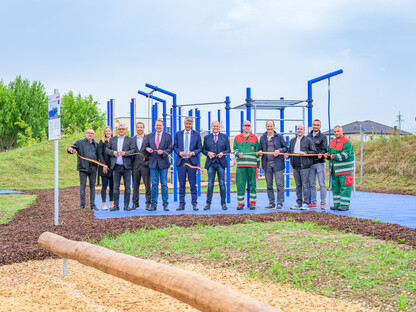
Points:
(158, 140)
(215, 138)
(186, 143)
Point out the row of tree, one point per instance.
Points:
(24, 113)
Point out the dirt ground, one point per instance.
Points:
(28, 285)
(40, 286)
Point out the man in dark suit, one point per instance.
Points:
(215, 146)
(159, 146)
(120, 147)
(86, 147)
(141, 166)
(187, 146)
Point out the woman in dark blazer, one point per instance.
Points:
(105, 173)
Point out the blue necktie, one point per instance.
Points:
(186, 143)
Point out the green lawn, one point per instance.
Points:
(304, 255)
(10, 204)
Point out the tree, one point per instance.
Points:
(22, 101)
(80, 112)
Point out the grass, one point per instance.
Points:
(10, 204)
(304, 255)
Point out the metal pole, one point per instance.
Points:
(228, 131)
(56, 165)
(361, 156)
(248, 106)
(108, 113)
(209, 122)
(198, 128)
(132, 117)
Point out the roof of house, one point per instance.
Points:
(368, 126)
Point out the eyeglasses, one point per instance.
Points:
(122, 129)
(89, 132)
(247, 125)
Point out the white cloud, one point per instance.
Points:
(346, 52)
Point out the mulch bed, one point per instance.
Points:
(18, 239)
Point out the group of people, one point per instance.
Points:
(146, 157)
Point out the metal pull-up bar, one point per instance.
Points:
(312, 81)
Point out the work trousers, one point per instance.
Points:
(341, 189)
(241, 176)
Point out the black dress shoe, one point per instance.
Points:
(270, 207)
(135, 206)
(94, 207)
(224, 207)
(152, 208)
(81, 206)
(165, 207)
(114, 208)
(343, 208)
(181, 207)
(334, 207)
(194, 207)
(207, 207)
(127, 208)
(147, 206)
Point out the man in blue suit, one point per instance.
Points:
(159, 146)
(215, 146)
(187, 146)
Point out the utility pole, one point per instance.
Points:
(399, 120)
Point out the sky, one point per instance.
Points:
(206, 50)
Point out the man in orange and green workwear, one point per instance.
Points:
(246, 146)
(341, 154)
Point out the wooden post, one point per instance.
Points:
(193, 289)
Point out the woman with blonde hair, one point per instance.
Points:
(105, 173)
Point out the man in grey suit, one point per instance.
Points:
(141, 167)
(120, 147)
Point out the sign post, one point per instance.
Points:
(54, 133)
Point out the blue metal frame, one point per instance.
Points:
(163, 103)
(228, 132)
(173, 127)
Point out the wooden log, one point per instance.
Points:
(191, 288)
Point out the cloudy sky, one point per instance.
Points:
(206, 50)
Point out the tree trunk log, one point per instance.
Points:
(188, 287)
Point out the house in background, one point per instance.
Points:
(370, 129)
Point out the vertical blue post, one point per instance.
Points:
(154, 118)
(180, 118)
(171, 133)
(112, 114)
(175, 177)
(248, 106)
(164, 116)
(132, 117)
(287, 170)
(190, 113)
(209, 122)
(228, 132)
(282, 118)
(198, 128)
(219, 116)
(241, 120)
(108, 113)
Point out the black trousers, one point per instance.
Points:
(105, 183)
(118, 172)
(92, 176)
(138, 174)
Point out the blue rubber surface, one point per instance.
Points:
(8, 191)
(389, 208)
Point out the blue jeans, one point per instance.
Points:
(317, 170)
(216, 168)
(154, 175)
